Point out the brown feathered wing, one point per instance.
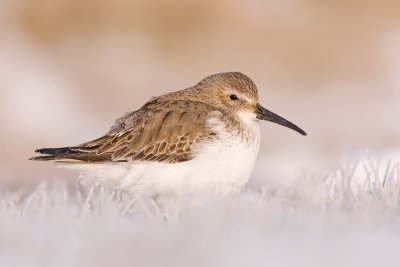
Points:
(162, 132)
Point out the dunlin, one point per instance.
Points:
(200, 140)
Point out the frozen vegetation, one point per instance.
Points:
(348, 217)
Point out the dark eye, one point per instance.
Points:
(233, 97)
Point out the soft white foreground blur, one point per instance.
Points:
(348, 217)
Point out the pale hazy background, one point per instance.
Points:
(68, 68)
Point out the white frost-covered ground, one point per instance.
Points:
(348, 217)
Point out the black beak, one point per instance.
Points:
(265, 114)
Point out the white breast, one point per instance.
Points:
(226, 164)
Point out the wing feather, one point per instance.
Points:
(162, 130)
(165, 132)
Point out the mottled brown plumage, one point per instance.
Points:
(163, 132)
(165, 129)
(168, 128)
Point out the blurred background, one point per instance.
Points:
(68, 68)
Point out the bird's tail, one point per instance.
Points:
(69, 154)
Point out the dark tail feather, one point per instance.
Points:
(70, 153)
(56, 151)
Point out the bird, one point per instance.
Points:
(202, 140)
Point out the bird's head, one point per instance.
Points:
(236, 93)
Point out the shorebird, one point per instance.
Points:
(200, 140)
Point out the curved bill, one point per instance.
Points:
(266, 115)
